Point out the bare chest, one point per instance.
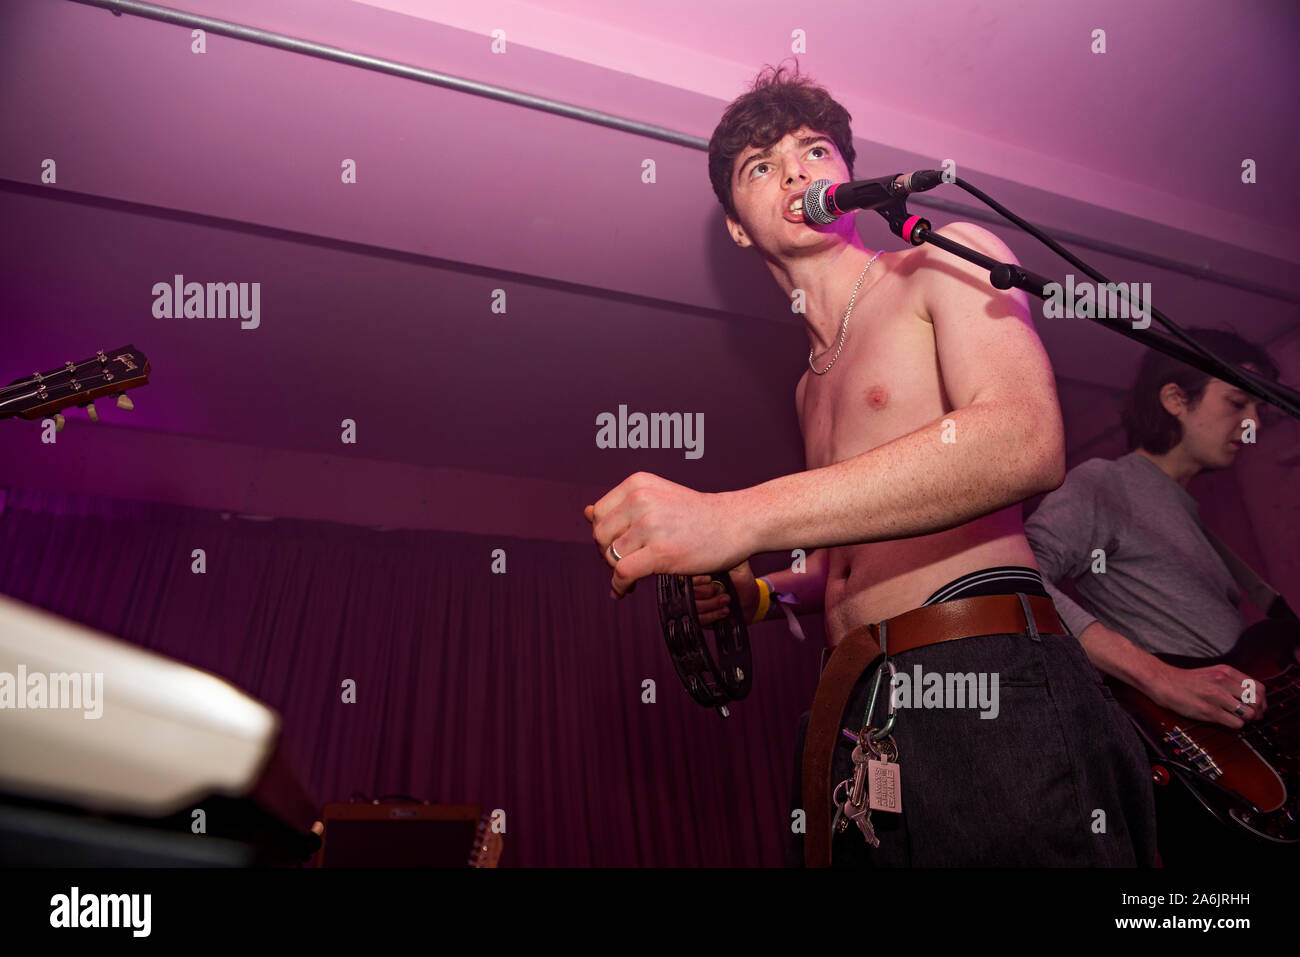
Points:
(885, 383)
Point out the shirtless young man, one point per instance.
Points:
(925, 420)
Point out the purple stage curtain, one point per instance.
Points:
(520, 691)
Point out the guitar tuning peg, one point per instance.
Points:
(124, 402)
(59, 421)
(91, 413)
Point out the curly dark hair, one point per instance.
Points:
(775, 107)
(1146, 422)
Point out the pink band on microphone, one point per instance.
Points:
(829, 198)
(908, 226)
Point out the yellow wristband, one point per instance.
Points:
(764, 599)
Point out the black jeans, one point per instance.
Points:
(1058, 777)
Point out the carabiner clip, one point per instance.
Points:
(884, 732)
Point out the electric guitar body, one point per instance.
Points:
(1247, 779)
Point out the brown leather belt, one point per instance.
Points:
(860, 649)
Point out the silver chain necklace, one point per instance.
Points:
(844, 326)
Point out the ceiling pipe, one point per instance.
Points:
(585, 115)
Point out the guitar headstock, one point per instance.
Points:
(43, 394)
(487, 844)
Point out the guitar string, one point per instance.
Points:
(22, 383)
(1281, 689)
(19, 398)
(29, 395)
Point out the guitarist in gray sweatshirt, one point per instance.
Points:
(1127, 534)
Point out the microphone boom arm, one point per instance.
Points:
(917, 230)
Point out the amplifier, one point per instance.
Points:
(408, 835)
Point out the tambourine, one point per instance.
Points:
(714, 680)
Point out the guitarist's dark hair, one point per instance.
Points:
(1147, 423)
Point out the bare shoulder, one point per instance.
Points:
(938, 266)
(949, 284)
(976, 237)
(933, 274)
(984, 336)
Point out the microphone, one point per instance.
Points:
(825, 202)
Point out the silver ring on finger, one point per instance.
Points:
(614, 551)
(1239, 711)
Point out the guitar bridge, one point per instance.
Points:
(1185, 747)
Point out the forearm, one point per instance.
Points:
(1077, 618)
(1118, 657)
(915, 485)
(809, 585)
